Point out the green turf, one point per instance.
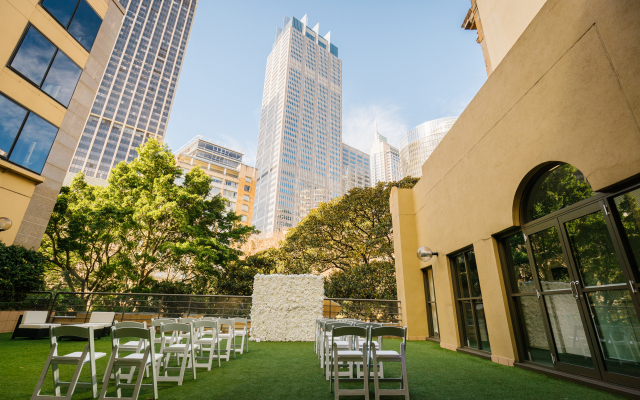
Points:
(291, 371)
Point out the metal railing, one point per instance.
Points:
(387, 311)
(76, 307)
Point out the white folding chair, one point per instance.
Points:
(229, 336)
(181, 350)
(206, 343)
(341, 343)
(77, 358)
(156, 323)
(349, 357)
(380, 356)
(133, 346)
(140, 361)
(185, 320)
(241, 333)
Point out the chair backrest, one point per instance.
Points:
(175, 327)
(131, 332)
(228, 322)
(131, 324)
(187, 320)
(350, 331)
(102, 317)
(204, 323)
(210, 318)
(34, 317)
(331, 325)
(85, 332)
(392, 331)
(160, 321)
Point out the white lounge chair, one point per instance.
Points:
(88, 355)
(32, 324)
(101, 321)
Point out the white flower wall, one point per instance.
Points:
(285, 307)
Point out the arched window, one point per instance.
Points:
(555, 188)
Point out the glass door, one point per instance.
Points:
(564, 319)
(603, 286)
(430, 297)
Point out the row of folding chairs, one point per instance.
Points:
(351, 351)
(187, 340)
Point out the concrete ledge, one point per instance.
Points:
(21, 171)
(502, 360)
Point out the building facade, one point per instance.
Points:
(139, 85)
(355, 168)
(300, 138)
(385, 161)
(231, 178)
(533, 207)
(418, 144)
(52, 58)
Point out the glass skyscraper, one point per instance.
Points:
(299, 145)
(418, 144)
(137, 90)
(355, 168)
(385, 161)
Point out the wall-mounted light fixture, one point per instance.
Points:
(5, 224)
(425, 253)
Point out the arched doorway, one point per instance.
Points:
(573, 271)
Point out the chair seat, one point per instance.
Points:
(96, 325)
(206, 341)
(349, 353)
(37, 326)
(77, 354)
(138, 356)
(341, 344)
(382, 354)
(224, 336)
(178, 348)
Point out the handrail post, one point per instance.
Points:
(189, 307)
(53, 303)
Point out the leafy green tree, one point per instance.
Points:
(21, 271)
(141, 228)
(376, 280)
(351, 235)
(236, 278)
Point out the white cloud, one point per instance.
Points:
(359, 125)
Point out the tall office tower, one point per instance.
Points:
(418, 144)
(230, 177)
(385, 161)
(138, 87)
(300, 137)
(355, 168)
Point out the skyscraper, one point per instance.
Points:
(300, 136)
(138, 87)
(355, 168)
(385, 161)
(418, 144)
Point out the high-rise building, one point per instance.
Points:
(300, 137)
(418, 144)
(385, 161)
(355, 168)
(230, 177)
(52, 58)
(136, 94)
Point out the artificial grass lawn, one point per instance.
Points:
(291, 371)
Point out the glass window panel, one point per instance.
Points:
(628, 209)
(482, 326)
(593, 250)
(618, 330)
(568, 333)
(33, 145)
(434, 320)
(518, 262)
(62, 10)
(432, 294)
(33, 56)
(11, 117)
(549, 260)
(85, 25)
(557, 188)
(462, 276)
(536, 344)
(473, 274)
(469, 325)
(62, 79)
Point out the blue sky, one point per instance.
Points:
(404, 63)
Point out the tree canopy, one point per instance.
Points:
(143, 228)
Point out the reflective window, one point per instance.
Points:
(555, 189)
(24, 141)
(46, 67)
(80, 20)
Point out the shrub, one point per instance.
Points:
(21, 272)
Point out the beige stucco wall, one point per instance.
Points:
(27, 198)
(503, 21)
(577, 101)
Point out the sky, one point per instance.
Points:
(404, 63)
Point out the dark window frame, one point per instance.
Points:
(427, 292)
(53, 58)
(24, 121)
(66, 28)
(459, 302)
